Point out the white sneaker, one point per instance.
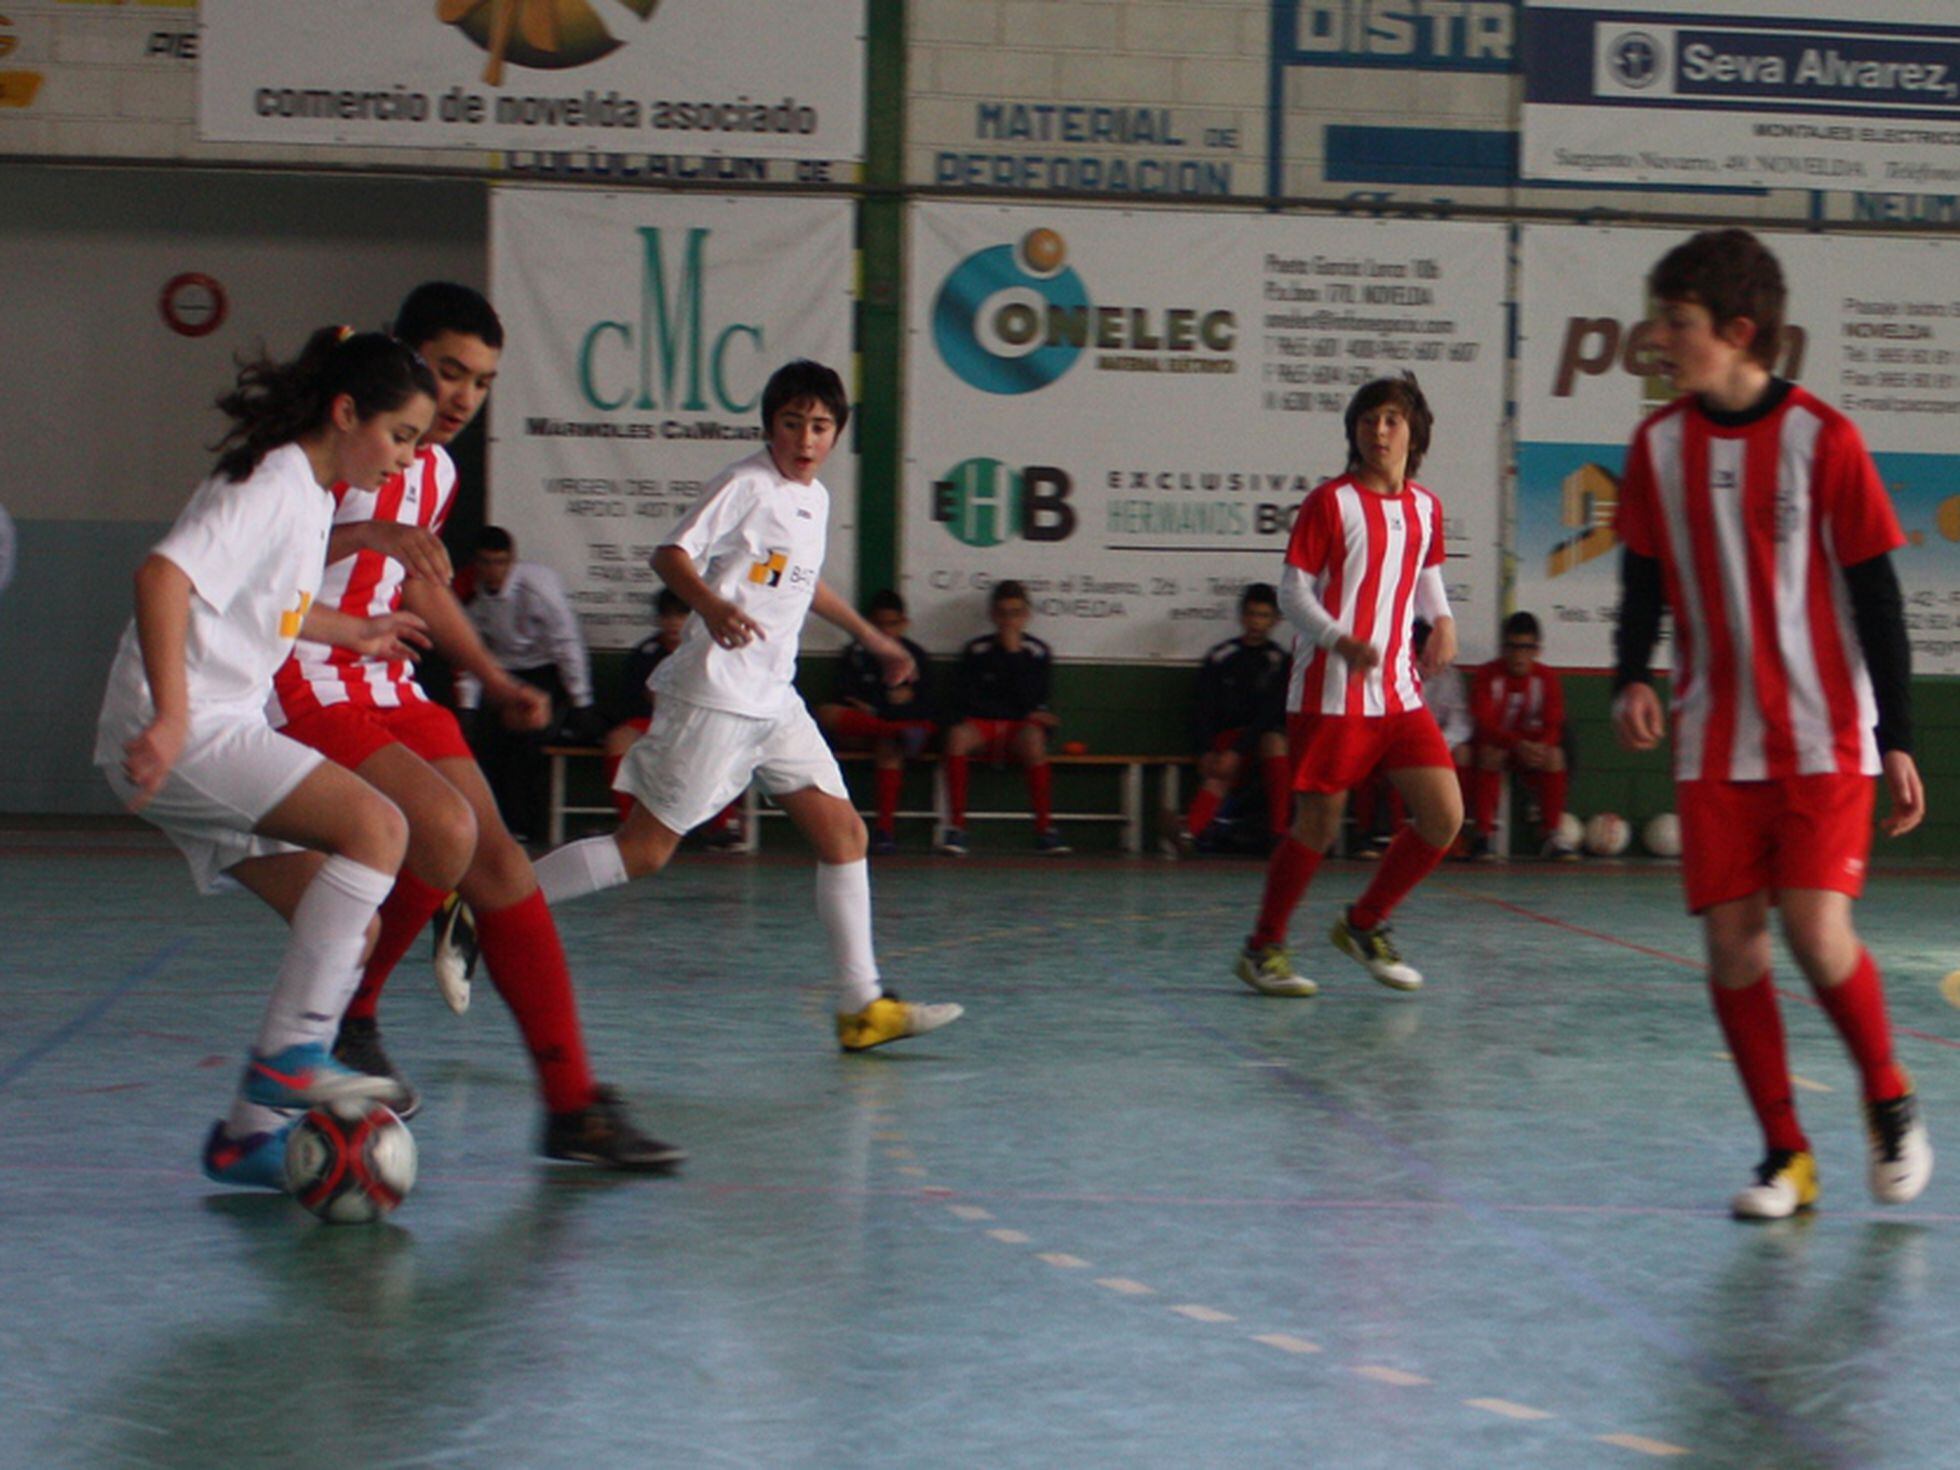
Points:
(1269, 970)
(889, 1019)
(456, 952)
(1374, 952)
(1786, 1181)
(1902, 1155)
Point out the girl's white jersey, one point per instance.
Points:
(757, 539)
(254, 551)
(366, 585)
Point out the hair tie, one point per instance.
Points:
(343, 334)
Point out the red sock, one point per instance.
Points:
(1276, 771)
(1406, 863)
(1484, 787)
(1204, 807)
(1551, 798)
(856, 724)
(1753, 1028)
(887, 781)
(1288, 872)
(622, 803)
(956, 771)
(405, 913)
(527, 965)
(1856, 1006)
(1041, 783)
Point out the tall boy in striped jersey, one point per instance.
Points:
(1755, 514)
(1366, 558)
(373, 718)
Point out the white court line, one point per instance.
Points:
(1643, 1444)
(971, 1212)
(1125, 1286)
(1011, 1237)
(1203, 1314)
(1393, 1376)
(1063, 1259)
(911, 1170)
(1510, 1410)
(1287, 1343)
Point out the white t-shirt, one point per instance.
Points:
(528, 623)
(255, 551)
(757, 539)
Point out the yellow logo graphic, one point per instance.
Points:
(1588, 500)
(770, 573)
(292, 617)
(550, 35)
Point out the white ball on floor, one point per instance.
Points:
(1607, 835)
(1662, 835)
(1571, 831)
(350, 1162)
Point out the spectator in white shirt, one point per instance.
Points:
(525, 619)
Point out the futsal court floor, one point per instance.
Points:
(1124, 1213)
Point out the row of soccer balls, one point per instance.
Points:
(1609, 834)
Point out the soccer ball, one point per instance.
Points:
(1571, 831)
(350, 1162)
(1662, 835)
(1607, 835)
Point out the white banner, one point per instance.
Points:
(1812, 94)
(640, 330)
(1124, 409)
(762, 78)
(1876, 334)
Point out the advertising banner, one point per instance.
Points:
(1772, 93)
(687, 77)
(1124, 410)
(1873, 329)
(639, 333)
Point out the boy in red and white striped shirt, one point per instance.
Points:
(1754, 512)
(1366, 559)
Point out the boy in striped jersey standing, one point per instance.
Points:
(1753, 512)
(1365, 560)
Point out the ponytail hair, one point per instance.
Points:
(275, 403)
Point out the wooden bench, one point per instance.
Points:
(1131, 812)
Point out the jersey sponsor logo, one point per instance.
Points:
(769, 572)
(292, 617)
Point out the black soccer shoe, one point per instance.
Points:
(602, 1135)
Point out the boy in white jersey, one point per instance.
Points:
(372, 717)
(747, 559)
(183, 736)
(1754, 513)
(1365, 558)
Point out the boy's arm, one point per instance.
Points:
(524, 706)
(419, 550)
(889, 652)
(1554, 706)
(163, 619)
(1878, 613)
(1319, 626)
(393, 636)
(567, 643)
(1637, 717)
(728, 625)
(1038, 693)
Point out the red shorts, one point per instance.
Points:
(997, 737)
(348, 734)
(1745, 837)
(1339, 752)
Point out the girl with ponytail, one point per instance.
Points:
(183, 736)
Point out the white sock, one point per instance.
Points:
(578, 868)
(322, 967)
(844, 906)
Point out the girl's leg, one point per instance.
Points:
(1436, 807)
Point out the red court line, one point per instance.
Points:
(1800, 997)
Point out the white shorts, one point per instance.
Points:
(228, 777)
(693, 760)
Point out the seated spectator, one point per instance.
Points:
(893, 722)
(633, 711)
(1239, 722)
(521, 612)
(1519, 707)
(1000, 701)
